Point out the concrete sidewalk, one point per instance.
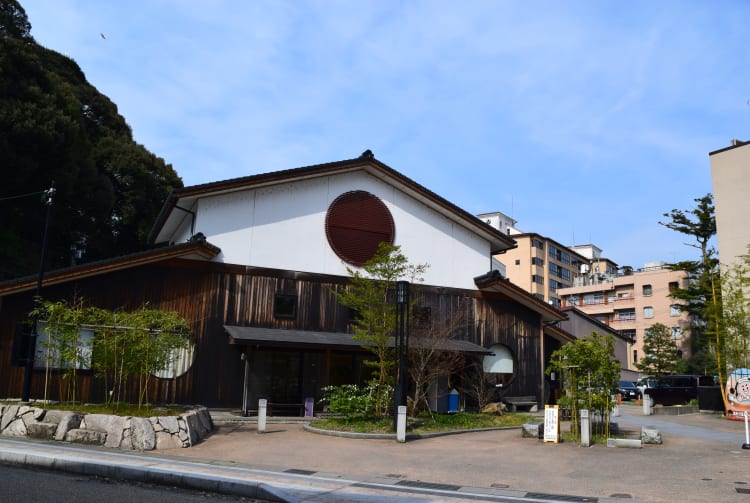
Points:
(701, 460)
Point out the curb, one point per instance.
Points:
(156, 475)
(392, 436)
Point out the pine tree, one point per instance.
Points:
(661, 356)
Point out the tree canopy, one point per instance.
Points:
(55, 126)
(702, 296)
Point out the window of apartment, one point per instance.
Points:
(518, 261)
(673, 285)
(647, 290)
(676, 333)
(629, 334)
(554, 301)
(623, 295)
(535, 278)
(566, 274)
(285, 306)
(537, 243)
(553, 269)
(602, 318)
(611, 298)
(635, 356)
(539, 296)
(537, 261)
(625, 315)
(648, 312)
(565, 258)
(593, 298)
(674, 310)
(572, 300)
(554, 252)
(554, 285)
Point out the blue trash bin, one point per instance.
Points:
(453, 401)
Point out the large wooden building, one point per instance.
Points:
(253, 264)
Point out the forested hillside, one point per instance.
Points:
(55, 126)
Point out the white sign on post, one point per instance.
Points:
(551, 424)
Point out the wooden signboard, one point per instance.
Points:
(551, 423)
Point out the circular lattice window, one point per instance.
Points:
(356, 223)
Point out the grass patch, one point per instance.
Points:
(424, 423)
(117, 409)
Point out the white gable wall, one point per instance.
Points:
(283, 226)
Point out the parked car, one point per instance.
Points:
(644, 383)
(628, 390)
(677, 389)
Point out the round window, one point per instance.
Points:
(356, 223)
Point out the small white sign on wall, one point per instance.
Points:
(551, 423)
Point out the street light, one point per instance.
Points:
(401, 341)
(47, 200)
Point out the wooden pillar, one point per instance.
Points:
(246, 384)
(541, 361)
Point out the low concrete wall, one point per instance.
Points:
(119, 432)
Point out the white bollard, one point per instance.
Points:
(646, 405)
(401, 424)
(746, 445)
(262, 406)
(585, 428)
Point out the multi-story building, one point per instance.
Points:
(731, 185)
(540, 265)
(631, 303)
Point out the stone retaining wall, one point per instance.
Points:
(120, 432)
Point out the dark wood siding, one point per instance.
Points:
(211, 295)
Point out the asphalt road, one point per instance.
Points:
(25, 485)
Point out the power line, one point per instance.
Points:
(22, 195)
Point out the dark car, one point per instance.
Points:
(627, 390)
(677, 389)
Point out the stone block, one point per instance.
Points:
(650, 435)
(142, 436)
(9, 415)
(90, 437)
(43, 431)
(532, 430)
(168, 423)
(112, 425)
(68, 421)
(631, 443)
(16, 428)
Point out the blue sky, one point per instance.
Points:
(584, 120)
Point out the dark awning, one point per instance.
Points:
(305, 338)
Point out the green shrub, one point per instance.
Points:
(355, 402)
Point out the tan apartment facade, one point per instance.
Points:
(541, 266)
(632, 303)
(730, 177)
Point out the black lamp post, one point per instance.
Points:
(31, 349)
(401, 341)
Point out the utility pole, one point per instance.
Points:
(47, 199)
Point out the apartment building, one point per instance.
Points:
(731, 185)
(631, 303)
(540, 265)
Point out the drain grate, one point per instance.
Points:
(562, 497)
(621, 495)
(297, 471)
(742, 490)
(428, 485)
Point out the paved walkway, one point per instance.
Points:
(701, 460)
